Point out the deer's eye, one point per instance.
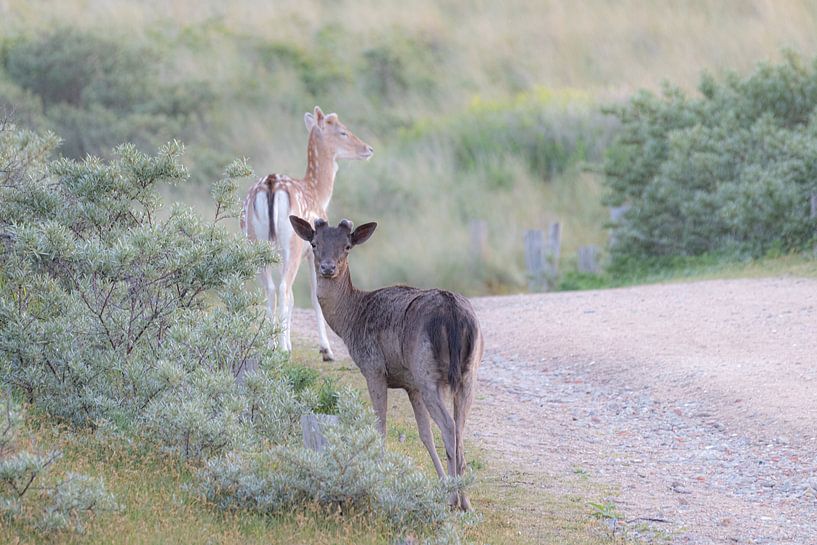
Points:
(344, 134)
(348, 247)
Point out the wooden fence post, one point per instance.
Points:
(541, 258)
(312, 426)
(535, 259)
(588, 259)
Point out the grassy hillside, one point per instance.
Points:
(477, 110)
(494, 48)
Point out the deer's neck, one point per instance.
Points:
(321, 168)
(340, 302)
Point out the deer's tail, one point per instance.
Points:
(453, 328)
(271, 211)
(258, 213)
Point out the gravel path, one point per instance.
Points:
(696, 402)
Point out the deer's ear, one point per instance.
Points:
(320, 119)
(362, 233)
(302, 228)
(309, 121)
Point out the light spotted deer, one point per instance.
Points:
(273, 198)
(427, 342)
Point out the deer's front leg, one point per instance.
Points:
(326, 350)
(378, 392)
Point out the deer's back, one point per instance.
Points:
(391, 332)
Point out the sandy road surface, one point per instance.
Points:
(697, 402)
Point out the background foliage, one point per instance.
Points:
(472, 107)
(730, 171)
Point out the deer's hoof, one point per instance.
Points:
(327, 354)
(454, 501)
(457, 500)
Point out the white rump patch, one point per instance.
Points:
(260, 217)
(283, 228)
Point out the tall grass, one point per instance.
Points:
(609, 45)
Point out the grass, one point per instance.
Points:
(602, 46)
(159, 511)
(513, 506)
(694, 269)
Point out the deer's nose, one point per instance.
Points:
(328, 269)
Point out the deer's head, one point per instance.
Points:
(334, 137)
(331, 245)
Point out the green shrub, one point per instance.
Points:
(327, 397)
(352, 474)
(574, 280)
(299, 377)
(66, 66)
(728, 172)
(112, 317)
(97, 294)
(399, 64)
(318, 73)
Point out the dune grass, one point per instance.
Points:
(696, 269)
(597, 45)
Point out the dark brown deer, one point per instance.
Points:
(427, 342)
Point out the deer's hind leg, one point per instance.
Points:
(257, 228)
(291, 250)
(462, 406)
(434, 399)
(463, 398)
(267, 283)
(426, 372)
(424, 429)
